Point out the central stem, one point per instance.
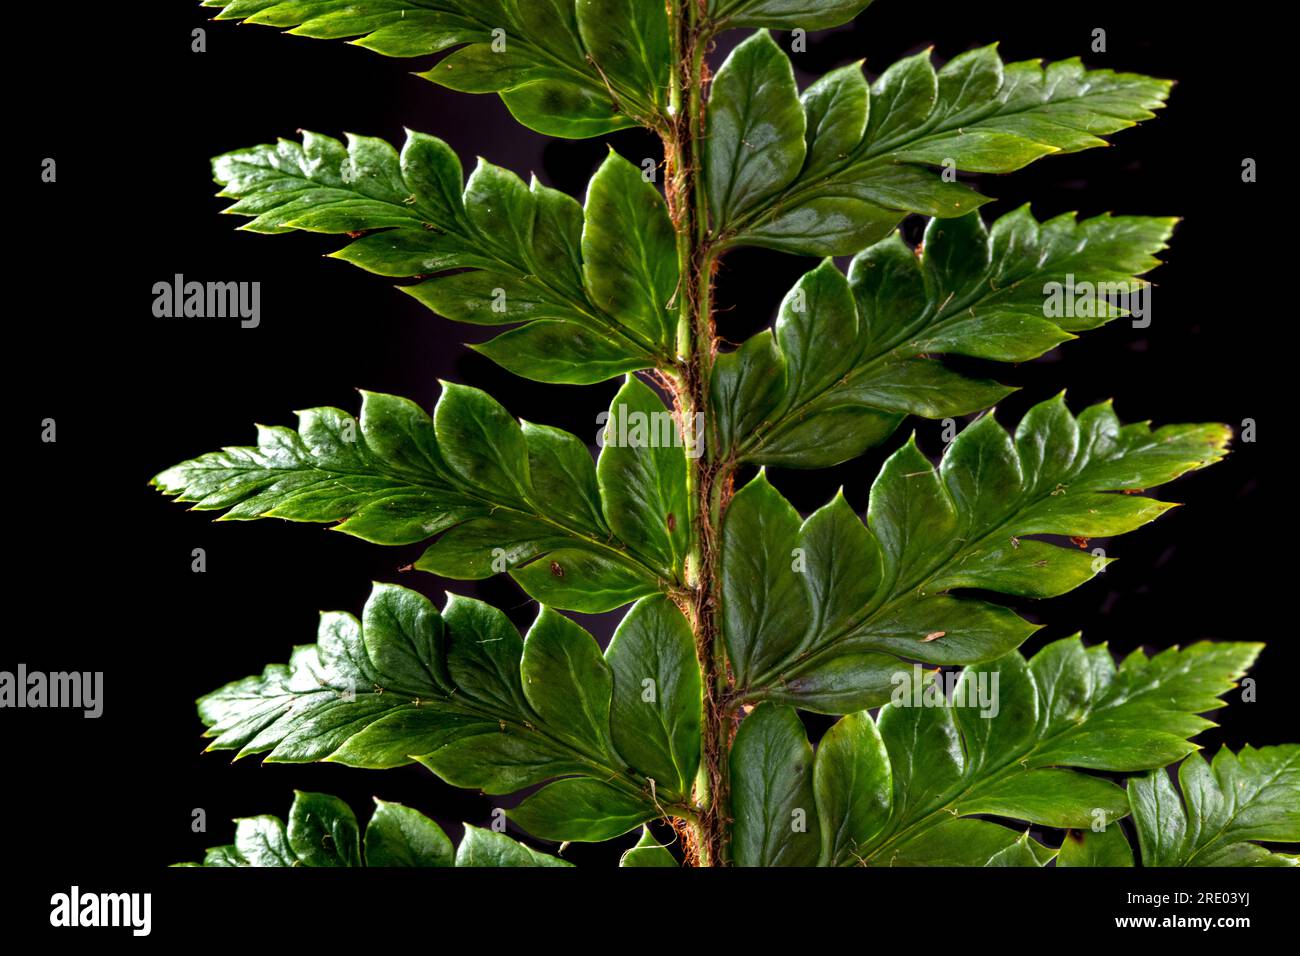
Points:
(696, 345)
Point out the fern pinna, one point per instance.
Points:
(742, 611)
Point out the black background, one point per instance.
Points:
(101, 563)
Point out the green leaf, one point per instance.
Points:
(785, 14)
(1105, 847)
(259, 841)
(563, 475)
(772, 791)
(820, 614)
(1009, 739)
(851, 781)
(642, 475)
(460, 693)
(835, 110)
(629, 250)
(1233, 804)
(561, 70)
(583, 579)
(364, 682)
(967, 842)
(647, 852)
(567, 682)
(396, 836)
(323, 831)
(481, 443)
(629, 40)
(977, 114)
(555, 351)
(503, 497)
(851, 355)
(582, 811)
(765, 604)
(755, 130)
(399, 836)
(658, 695)
(487, 848)
(410, 216)
(746, 387)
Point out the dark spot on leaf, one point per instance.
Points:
(556, 569)
(672, 521)
(1081, 542)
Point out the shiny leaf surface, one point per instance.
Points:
(772, 791)
(850, 356)
(819, 613)
(658, 694)
(1009, 739)
(396, 836)
(642, 475)
(503, 497)
(460, 693)
(976, 114)
(1228, 807)
(411, 214)
(648, 852)
(755, 138)
(562, 68)
(785, 14)
(1105, 847)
